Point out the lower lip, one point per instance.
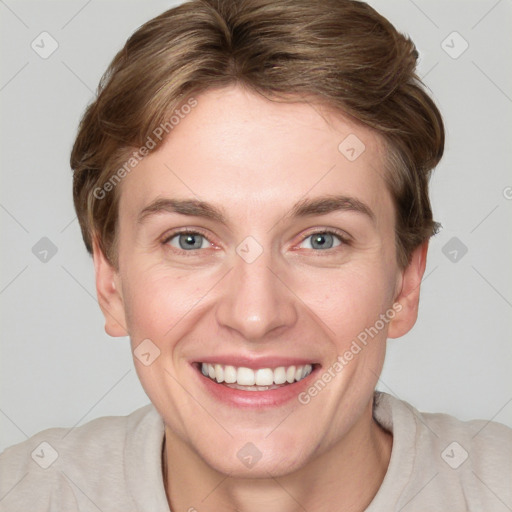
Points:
(269, 398)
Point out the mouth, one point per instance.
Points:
(261, 379)
(266, 386)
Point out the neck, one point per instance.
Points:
(349, 473)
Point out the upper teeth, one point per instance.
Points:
(261, 377)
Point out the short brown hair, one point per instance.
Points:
(340, 52)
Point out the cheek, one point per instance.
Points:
(350, 299)
(156, 301)
(160, 307)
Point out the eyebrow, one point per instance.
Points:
(304, 208)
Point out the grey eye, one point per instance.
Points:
(188, 241)
(324, 240)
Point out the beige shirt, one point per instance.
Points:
(113, 464)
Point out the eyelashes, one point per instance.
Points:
(324, 237)
(177, 233)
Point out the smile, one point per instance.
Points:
(261, 379)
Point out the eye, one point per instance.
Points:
(187, 241)
(324, 240)
(190, 241)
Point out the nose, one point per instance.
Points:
(256, 301)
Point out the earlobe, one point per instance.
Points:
(109, 296)
(408, 295)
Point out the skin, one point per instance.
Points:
(254, 159)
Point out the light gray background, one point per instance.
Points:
(59, 368)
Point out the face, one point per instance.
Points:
(255, 249)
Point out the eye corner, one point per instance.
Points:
(343, 238)
(167, 237)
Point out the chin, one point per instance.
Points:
(259, 456)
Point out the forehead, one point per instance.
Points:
(236, 148)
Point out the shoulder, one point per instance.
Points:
(474, 459)
(484, 445)
(483, 438)
(463, 463)
(56, 467)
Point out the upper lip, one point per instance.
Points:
(256, 362)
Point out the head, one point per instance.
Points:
(293, 142)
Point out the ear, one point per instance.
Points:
(109, 295)
(408, 297)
